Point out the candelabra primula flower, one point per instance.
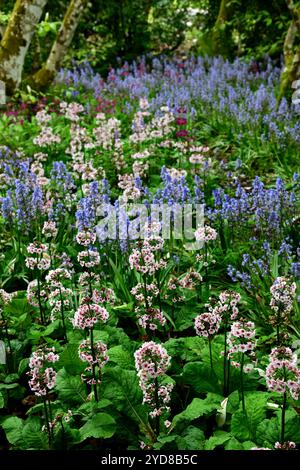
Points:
(282, 373)
(42, 376)
(152, 361)
(88, 314)
(207, 324)
(96, 357)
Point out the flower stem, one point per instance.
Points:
(39, 297)
(225, 363)
(228, 376)
(8, 350)
(210, 353)
(278, 335)
(51, 419)
(93, 365)
(157, 425)
(47, 421)
(283, 418)
(63, 316)
(242, 383)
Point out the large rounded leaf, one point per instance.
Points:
(100, 425)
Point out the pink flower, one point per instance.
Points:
(42, 378)
(207, 324)
(86, 238)
(205, 234)
(96, 357)
(88, 315)
(282, 373)
(152, 362)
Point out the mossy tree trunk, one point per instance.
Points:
(16, 40)
(221, 40)
(42, 79)
(291, 69)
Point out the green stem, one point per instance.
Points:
(159, 297)
(242, 383)
(63, 316)
(225, 360)
(145, 292)
(39, 297)
(206, 268)
(9, 350)
(93, 365)
(210, 353)
(278, 335)
(283, 417)
(228, 376)
(47, 421)
(157, 424)
(51, 418)
(62, 434)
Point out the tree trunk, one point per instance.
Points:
(221, 41)
(16, 40)
(291, 69)
(42, 79)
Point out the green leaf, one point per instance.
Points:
(201, 377)
(55, 325)
(17, 307)
(233, 444)
(70, 360)
(184, 317)
(13, 428)
(8, 386)
(268, 432)
(188, 349)
(33, 437)
(100, 425)
(121, 387)
(165, 442)
(23, 365)
(91, 406)
(244, 426)
(239, 426)
(192, 439)
(198, 408)
(292, 426)
(218, 439)
(120, 281)
(2, 401)
(11, 378)
(233, 402)
(248, 445)
(70, 388)
(121, 357)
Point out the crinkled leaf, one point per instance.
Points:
(33, 436)
(70, 388)
(198, 408)
(101, 425)
(122, 388)
(121, 357)
(13, 428)
(70, 360)
(233, 444)
(218, 439)
(268, 432)
(188, 349)
(201, 377)
(166, 442)
(191, 439)
(244, 425)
